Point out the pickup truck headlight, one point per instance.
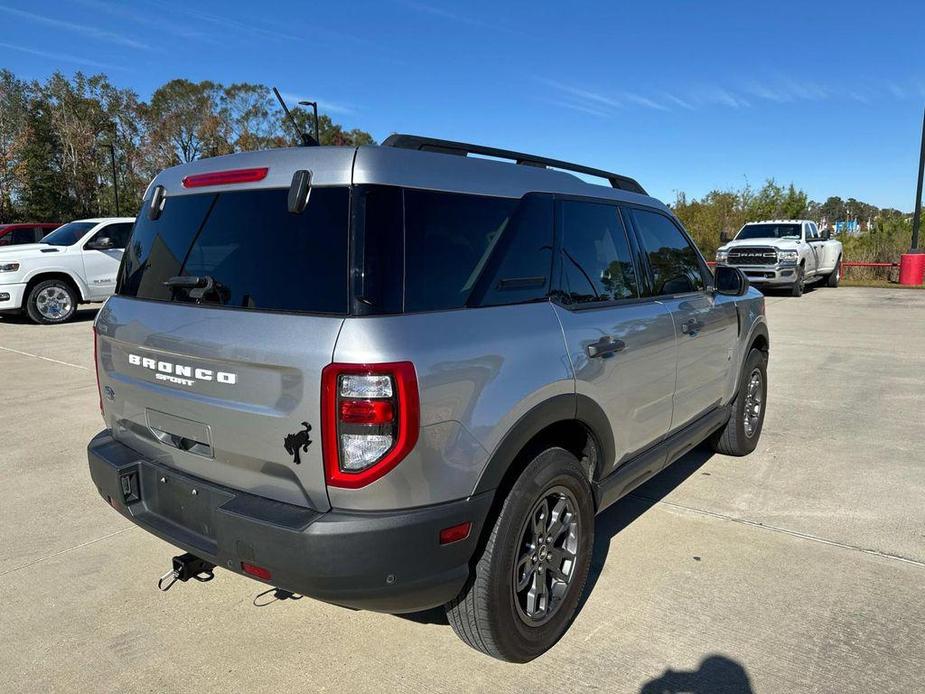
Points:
(787, 257)
(9, 267)
(721, 256)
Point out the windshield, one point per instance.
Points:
(69, 234)
(243, 249)
(769, 231)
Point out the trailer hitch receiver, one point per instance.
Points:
(185, 567)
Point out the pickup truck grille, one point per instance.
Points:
(752, 256)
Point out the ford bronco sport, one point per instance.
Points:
(399, 377)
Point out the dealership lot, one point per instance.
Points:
(799, 568)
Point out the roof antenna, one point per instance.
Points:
(306, 139)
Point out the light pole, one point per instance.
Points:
(314, 105)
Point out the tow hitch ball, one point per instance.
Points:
(185, 567)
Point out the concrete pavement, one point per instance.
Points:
(799, 568)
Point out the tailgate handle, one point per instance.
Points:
(183, 443)
(182, 434)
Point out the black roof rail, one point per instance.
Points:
(432, 144)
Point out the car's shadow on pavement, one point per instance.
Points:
(717, 674)
(611, 522)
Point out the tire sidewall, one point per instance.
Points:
(756, 360)
(551, 468)
(797, 289)
(32, 308)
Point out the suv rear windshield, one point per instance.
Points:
(256, 253)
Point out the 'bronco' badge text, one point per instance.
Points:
(180, 374)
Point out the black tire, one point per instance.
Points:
(57, 291)
(740, 436)
(835, 276)
(796, 289)
(489, 613)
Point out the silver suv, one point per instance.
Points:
(401, 377)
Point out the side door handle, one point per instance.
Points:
(606, 345)
(691, 327)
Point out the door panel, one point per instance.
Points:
(633, 385)
(705, 324)
(706, 329)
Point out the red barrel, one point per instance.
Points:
(912, 268)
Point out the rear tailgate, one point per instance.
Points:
(216, 393)
(227, 309)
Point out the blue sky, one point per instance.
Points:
(683, 96)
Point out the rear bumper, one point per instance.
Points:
(11, 296)
(382, 561)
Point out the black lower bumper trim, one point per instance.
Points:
(382, 561)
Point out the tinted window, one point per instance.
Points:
(448, 240)
(69, 234)
(675, 263)
(518, 269)
(257, 253)
(769, 231)
(117, 233)
(596, 262)
(26, 235)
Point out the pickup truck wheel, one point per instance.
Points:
(742, 431)
(50, 302)
(797, 288)
(527, 582)
(835, 276)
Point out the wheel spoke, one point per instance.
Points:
(541, 519)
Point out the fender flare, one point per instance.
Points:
(559, 408)
(78, 282)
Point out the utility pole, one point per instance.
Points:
(115, 178)
(917, 217)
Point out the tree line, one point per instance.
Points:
(60, 137)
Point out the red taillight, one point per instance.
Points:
(256, 571)
(96, 366)
(370, 418)
(455, 533)
(366, 411)
(221, 178)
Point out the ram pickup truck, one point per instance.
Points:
(784, 253)
(75, 264)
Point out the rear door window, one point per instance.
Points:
(596, 261)
(257, 254)
(23, 235)
(675, 263)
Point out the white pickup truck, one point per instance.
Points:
(785, 253)
(75, 264)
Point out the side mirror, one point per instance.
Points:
(730, 281)
(724, 237)
(825, 235)
(101, 244)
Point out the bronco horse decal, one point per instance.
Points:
(301, 439)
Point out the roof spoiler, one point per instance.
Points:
(430, 144)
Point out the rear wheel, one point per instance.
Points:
(835, 276)
(51, 301)
(742, 431)
(797, 288)
(530, 576)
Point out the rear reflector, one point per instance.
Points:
(455, 533)
(221, 178)
(256, 571)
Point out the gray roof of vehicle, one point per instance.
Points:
(371, 164)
